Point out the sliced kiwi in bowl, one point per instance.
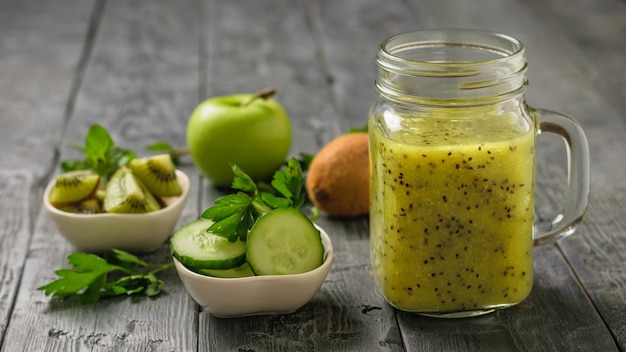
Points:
(87, 206)
(140, 187)
(127, 194)
(158, 174)
(73, 188)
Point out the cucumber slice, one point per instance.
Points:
(283, 242)
(240, 271)
(196, 248)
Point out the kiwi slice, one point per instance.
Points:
(126, 194)
(158, 174)
(99, 195)
(72, 188)
(87, 206)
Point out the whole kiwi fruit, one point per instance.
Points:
(338, 178)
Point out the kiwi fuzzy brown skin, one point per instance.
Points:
(338, 178)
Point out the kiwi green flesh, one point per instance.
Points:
(158, 174)
(73, 188)
(126, 194)
(88, 206)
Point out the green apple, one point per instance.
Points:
(250, 131)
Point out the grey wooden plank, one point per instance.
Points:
(277, 47)
(35, 85)
(596, 51)
(124, 324)
(598, 37)
(15, 235)
(267, 43)
(36, 79)
(141, 83)
(345, 315)
(137, 100)
(349, 33)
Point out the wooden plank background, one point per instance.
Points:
(140, 67)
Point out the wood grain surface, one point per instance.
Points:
(140, 67)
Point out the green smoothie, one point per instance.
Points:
(451, 215)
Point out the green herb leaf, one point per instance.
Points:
(229, 211)
(88, 280)
(363, 128)
(160, 146)
(306, 160)
(71, 165)
(154, 287)
(128, 285)
(289, 183)
(85, 278)
(164, 147)
(233, 215)
(242, 181)
(98, 142)
(101, 154)
(124, 259)
(275, 202)
(88, 262)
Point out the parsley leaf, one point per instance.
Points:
(306, 160)
(289, 183)
(234, 214)
(160, 146)
(242, 181)
(101, 154)
(363, 128)
(89, 280)
(227, 213)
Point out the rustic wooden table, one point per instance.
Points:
(140, 67)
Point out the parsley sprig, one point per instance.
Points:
(234, 214)
(101, 154)
(118, 273)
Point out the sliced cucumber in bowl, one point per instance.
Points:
(283, 242)
(197, 248)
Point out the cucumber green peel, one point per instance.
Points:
(197, 248)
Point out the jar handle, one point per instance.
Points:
(567, 218)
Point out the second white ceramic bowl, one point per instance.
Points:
(256, 295)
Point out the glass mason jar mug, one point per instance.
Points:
(452, 148)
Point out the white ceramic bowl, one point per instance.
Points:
(256, 295)
(130, 232)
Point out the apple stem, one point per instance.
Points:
(264, 93)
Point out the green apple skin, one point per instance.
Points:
(256, 137)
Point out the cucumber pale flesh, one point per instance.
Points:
(197, 248)
(282, 242)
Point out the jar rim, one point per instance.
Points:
(460, 66)
(503, 47)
